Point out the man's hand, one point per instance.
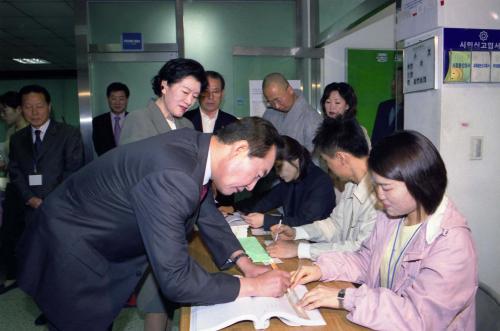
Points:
(34, 202)
(226, 210)
(273, 283)
(284, 232)
(283, 249)
(251, 269)
(255, 220)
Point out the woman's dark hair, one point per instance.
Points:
(177, 69)
(410, 157)
(34, 89)
(343, 134)
(346, 92)
(292, 150)
(10, 99)
(260, 134)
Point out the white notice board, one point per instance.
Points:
(420, 66)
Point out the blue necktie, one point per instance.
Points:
(38, 142)
(117, 129)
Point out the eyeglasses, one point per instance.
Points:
(276, 102)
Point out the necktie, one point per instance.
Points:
(117, 129)
(38, 142)
(203, 192)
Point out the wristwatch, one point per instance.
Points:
(237, 257)
(340, 298)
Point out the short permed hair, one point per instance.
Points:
(177, 69)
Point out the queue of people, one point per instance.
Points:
(119, 225)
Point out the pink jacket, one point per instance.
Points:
(434, 286)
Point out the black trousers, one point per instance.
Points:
(13, 224)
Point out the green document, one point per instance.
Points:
(255, 250)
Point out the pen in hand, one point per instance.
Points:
(277, 233)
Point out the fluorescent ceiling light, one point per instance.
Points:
(31, 61)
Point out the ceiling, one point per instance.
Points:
(37, 28)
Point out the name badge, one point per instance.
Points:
(35, 180)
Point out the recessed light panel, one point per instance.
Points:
(31, 60)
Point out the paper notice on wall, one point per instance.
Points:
(458, 67)
(480, 69)
(257, 99)
(495, 67)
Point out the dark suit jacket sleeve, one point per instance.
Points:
(16, 174)
(318, 201)
(73, 152)
(163, 202)
(102, 136)
(216, 232)
(272, 200)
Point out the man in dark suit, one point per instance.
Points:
(390, 113)
(209, 118)
(42, 154)
(106, 128)
(95, 234)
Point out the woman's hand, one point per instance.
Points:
(305, 274)
(320, 296)
(255, 220)
(284, 232)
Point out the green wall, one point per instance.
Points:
(63, 93)
(371, 78)
(211, 30)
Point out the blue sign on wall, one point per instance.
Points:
(456, 39)
(132, 41)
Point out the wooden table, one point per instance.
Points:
(335, 319)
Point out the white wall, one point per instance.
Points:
(377, 33)
(450, 116)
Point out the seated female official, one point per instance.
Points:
(305, 192)
(418, 269)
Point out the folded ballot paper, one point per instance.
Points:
(259, 310)
(237, 224)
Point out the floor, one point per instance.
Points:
(18, 311)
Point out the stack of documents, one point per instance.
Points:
(238, 225)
